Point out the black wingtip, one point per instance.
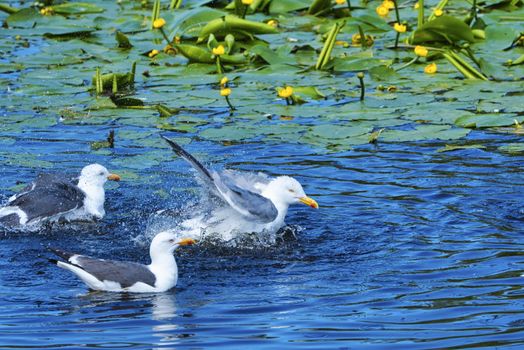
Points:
(64, 255)
(53, 261)
(175, 146)
(188, 157)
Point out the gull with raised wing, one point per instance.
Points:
(256, 201)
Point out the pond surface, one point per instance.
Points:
(415, 245)
(409, 249)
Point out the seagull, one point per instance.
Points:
(122, 276)
(56, 196)
(259, 201)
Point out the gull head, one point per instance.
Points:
(289, 191)
(167, 242)
(97, 175)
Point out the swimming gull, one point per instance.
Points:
(261, 202)
(57, 196)
(121, 276)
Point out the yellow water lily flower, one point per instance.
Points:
(421, 51)
(273, 23)
(223, 81)
(340, 2)
(159, 23)
(285, 92)
(153, 53)
(225, 92)
(219, 50)
(438, 12)
(416, 6)
(430, 68)
(390, 5)
(382, 11)
(247, 2)
(401, 28)
(47, 11)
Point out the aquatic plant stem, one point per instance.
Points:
(360, 77)
(165, 35)
(420, 18)
(220, 69)
(415, 59)
(474, 10)
(397, 14)
(348, 2)
(231, 107)
(245, 11)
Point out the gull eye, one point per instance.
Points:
(291, 190)
(101, 173)
(171, 241)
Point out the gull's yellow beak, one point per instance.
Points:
(113, 177)
(186, 241)
(309, 201)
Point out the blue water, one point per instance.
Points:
(410, 249)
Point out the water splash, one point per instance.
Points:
(211, 222)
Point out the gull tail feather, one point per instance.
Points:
(190, 159)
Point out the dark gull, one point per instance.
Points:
(259, 202)
(121, 276)
(56, 196)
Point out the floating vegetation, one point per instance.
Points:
(432, 71)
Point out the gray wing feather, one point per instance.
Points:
(124, 273)
(244, 198)
(248, 203)
(49, 195)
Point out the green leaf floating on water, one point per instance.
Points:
(445, 29)
(76, 8)
(424, 132)
(513, 148)
(283, 6)
(487, 120)
(449, 148)
(27, 15)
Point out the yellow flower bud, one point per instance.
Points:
(219, 50)
(285, 92)
(421, 51)
(273, 23)
(430, 68)
(416, 6)
(47, 11)
(224, 81)
(225, 92)
(401, 28)
(390, 5)
(340, 2)
(153, 53)
(159, 23)
(247, 2)
(382, 11)
(438, 12)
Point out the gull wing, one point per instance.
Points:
(245, 199)
(48, 195)
(124, 273)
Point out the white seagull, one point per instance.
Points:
(259, 202)
(56, 196)
(121, 276)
